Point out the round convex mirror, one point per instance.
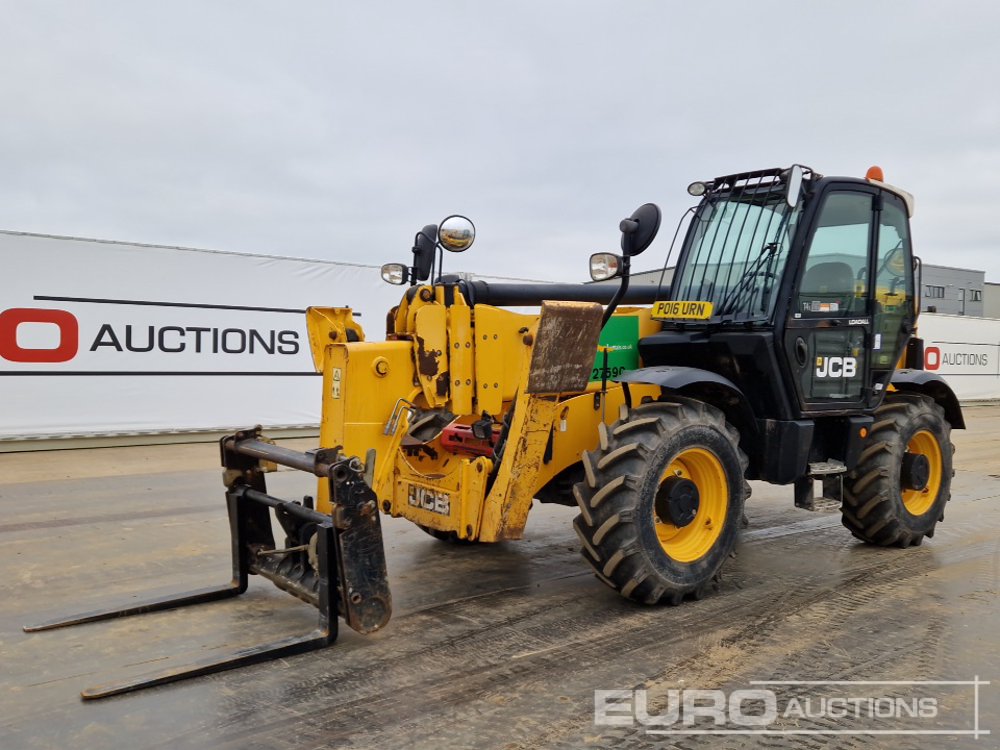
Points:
(456, 234)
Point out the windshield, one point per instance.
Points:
(737, 247)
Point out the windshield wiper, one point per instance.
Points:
(746, 282)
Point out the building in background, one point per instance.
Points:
(952, 291)
(645, 278)
(991, 300)
(654, 277)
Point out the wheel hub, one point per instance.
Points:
(677, 501)
(916, 472)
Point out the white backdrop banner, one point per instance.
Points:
(101, 338)
(110, 338)
(964, 351)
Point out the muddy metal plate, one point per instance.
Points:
(367, 601)
(563, 355)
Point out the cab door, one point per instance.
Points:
(894, 305)
(829, 328)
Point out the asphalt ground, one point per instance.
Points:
(490, 646)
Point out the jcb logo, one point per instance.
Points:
(65, 324)
(836, 367)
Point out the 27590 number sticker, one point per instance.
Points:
(600, 373)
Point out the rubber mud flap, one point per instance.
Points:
(366, 600)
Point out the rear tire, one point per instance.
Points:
(644, 531)
(879, 506)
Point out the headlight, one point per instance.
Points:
(604, 266)
(395, 273)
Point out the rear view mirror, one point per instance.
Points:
(456, 234)
(639, 230)
(793, 186)
(423, 252)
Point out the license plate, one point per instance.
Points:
(682, 310)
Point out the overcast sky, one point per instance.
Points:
(336, 130)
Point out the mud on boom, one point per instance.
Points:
(784, 350)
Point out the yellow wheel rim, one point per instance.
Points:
(918, 502)
(693, 541)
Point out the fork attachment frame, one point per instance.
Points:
(334, 562)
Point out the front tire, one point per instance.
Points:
(446, 536)
(663, 500)
(897, 493)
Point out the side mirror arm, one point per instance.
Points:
(622, 288)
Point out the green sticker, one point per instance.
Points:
(621, 336)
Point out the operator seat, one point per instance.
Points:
(829, 282)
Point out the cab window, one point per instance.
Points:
(893, 282)
(834, 280)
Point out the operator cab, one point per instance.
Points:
(784, 272)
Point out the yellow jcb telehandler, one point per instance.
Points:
(782, 350)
